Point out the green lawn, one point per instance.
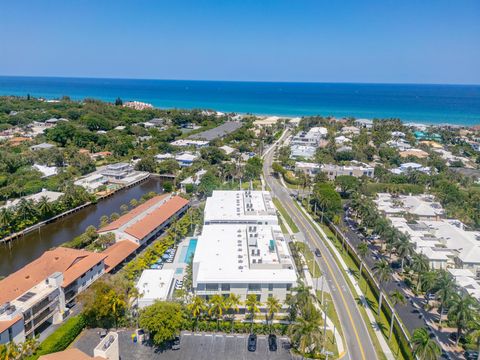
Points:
(309, 258)
(285, 215)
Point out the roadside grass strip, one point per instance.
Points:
(285, 215)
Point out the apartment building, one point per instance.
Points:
(37, 295)
(333, 171)
(147, 220)
(242, 249)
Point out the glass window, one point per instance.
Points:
(270, 287)
(254, 287)
(212, 287)
(289, 286)
(225, 287)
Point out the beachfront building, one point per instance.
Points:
(148, 220)
(365, 123)
(241, 249)
(36, 296)
(311, 137)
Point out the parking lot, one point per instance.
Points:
(198, 346)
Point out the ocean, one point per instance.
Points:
(430, 104)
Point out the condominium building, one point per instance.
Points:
(422, 206)
(147, 220)
(36, 296)
(242, 249)
(332, 171)
(311, 137)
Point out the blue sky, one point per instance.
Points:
(427, 41)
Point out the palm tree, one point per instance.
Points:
(233, 303)
(362, 250)
(9, 351)
(306, 331)
(302, 295)
(424, 347)
(273, 306)
(383, 271)
(396, 297)
(419, 265)
(196, 307)
(404, 248)
(6, 217)
(253, 306)
(217, 306)
(44, 207)
(26, 209)
(463, 310)
(444, 289)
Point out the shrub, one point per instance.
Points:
(61, 338)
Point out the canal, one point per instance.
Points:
(21, 251)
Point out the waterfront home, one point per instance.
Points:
(193, 180)
(92, 183)
(36, 296)
(46, 171)
(147, 220)
(51, 196)
(365, 123)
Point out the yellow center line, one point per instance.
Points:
(338, 286)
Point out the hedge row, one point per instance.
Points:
(238, 327)
(61, 338)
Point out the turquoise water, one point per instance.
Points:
(454, 104)
(190, 250)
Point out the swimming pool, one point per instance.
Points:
(190, 250)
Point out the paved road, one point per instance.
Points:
(358, 342)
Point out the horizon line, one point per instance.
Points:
(236, 81)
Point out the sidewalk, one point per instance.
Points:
(383, 343)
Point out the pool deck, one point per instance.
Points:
(178, 259)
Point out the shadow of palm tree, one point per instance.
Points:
(355, 273)
(379, 326)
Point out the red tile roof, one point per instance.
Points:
(4, 325)
(118, 252)
(122, 220)
(69, 354)
(157, 217)
(71, 262)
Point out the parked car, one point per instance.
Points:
(272, 342)
(471, 355)
(176, 343)
(318, 253)
(252, 342)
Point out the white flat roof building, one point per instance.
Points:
(302, 151)
(424, 206)
(154, 284)
(240, 207)
(189, 142)
(242, 254)
(242, 249)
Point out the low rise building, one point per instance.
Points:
(42, 146)
(421, 206)
(147, 220)
(311, 137)
(186, 159)
(189, 142)
(414, 152)
(37, 294)
(46, 171)
(193, 180)
(153, 285)
(302, 152)
(350, 130)
(411, 166)
(51, 196)
(365, 123)
(93, 182)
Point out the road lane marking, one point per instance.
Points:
(336, 282)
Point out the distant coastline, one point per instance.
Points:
(426, 104)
